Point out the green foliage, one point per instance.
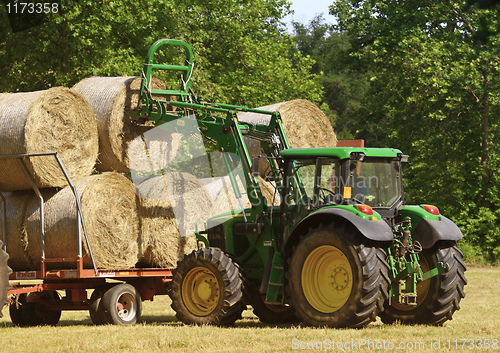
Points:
(344, 87)
(241, 51)
(435, 90)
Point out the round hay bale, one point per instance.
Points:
(226, 200)
(16, 244)
(169, 207)
(109, 209)
(268, 189)
(305, 125)
(152, 151)
(113, 99)
(56, 120)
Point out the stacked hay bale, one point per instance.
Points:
(151, 224)
(110, 212)
(56, 120)
(226, 200)
(132, 146)
(304, 123)
(15, 242)
(113, 99)
(169, 207)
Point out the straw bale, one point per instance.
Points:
(109, 209)
(268, 189)
(113, 99)
(304, 123)
(55, 120)
(15, 205)
(213, 186)
(226, 200)
(169, 207)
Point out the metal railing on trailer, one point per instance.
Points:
(79, 218)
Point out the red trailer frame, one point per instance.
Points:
(39, 303)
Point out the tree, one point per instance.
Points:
(344, 87)
(438, 89)
(240, 48)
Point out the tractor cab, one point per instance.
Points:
(350, 176)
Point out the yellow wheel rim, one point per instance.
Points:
(422, 289)
(327, 279)
(200, 291)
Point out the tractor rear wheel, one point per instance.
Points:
(336, 278)
(438, 297)
(207, 289)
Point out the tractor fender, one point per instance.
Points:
(428, 232)
(373, 230)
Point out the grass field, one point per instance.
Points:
(478, 322)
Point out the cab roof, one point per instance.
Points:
(340, 152)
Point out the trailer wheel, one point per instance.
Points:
(438, 297)
(95, 309)
(41, 310)
(207, 289)
(272, 314)
(15, 309)
(121, 305)
(336, 278)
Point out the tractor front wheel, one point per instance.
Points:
(438, 297)
(336, 278)
(207, 289)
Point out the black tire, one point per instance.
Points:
(438, 297)
(41, 310)
(120, 305)
(272, 314)
(206, 289)
(337, 278)
(95, 309)
(15, 310)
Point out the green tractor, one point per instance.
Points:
(339, 249)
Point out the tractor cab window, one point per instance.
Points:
(314, 181)
(375, 181)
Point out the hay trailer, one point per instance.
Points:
(34, 295)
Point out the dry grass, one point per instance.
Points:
(478, 319)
